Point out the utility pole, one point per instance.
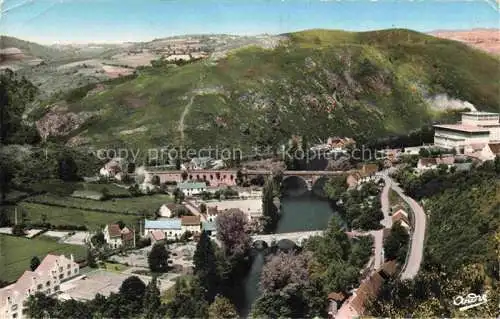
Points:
(133, 230)
(15, 216)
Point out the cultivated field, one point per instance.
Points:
(60, 216)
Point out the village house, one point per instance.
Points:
(212, 213)
(169, 210)
(191, 224)
(365, 174)
(47, 277)
(113, 167)
(209, 227)
(335, 299)
(192, 188)
(116, 237)
(251, 207)
(490, 151)
(402, 217)
(426, 163)
(355, 306)
(157, 237)
(172, 227)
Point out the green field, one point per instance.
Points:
(16, 253)
(35, 213)
(61, 188)
(132, 205)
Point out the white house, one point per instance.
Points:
(116, 237)
(113, 235)
(47, 277)
(191, 224)
(192, 188)
(475, 128)
(172, 227)
(167, 210)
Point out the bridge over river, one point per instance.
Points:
(227, 177)
(296, 237)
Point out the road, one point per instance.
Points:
(412, 266)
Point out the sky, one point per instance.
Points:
(80, 21)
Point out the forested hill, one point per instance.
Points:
(315, 83)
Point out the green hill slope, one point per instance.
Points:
(31, 49)
(318, 83)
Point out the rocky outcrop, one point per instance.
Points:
(59, 122)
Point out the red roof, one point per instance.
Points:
(114, 230)
(190, 220)
(495, 148)
(158, 235)
(337, 296)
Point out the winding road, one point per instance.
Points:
(414, 260)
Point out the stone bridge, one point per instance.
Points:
(228, 177)
(297, 237)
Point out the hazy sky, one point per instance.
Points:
(49, 21)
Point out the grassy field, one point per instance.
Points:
(35, 213)
(60, 188)
(16, 253)
(132, 205)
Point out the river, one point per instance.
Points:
(300, 211)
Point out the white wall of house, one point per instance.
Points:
(169, 233)
(165, 211)
(191, 228)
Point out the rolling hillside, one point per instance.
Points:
(317, 83)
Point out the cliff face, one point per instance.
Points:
(484, 39)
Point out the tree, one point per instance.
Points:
(232, 231)
(105, 193)
(18, 230)
(205, 266)
(178, 164)
(15, 94)
(158, 259)
(4, 219)
(335, 187)
(67, 170)
(184, 175)
(91, 259)
(396, 244)
(40, 306)
(423, 152)
(222, 308)
(270, 212)
(98, 239)
(156, 180)
(203, 208)
(132, 291)
(285, 269)
(34, 263)
(73, 309)
(152, 300)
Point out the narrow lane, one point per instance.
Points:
(412, 266)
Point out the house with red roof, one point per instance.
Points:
(116, 237)
(47, 277)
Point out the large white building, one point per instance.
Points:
(46, 278)
(475, 128)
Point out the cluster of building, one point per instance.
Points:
(46, 278)
(116, 237)
(477, 135)
(171, 228)
(354, 306)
